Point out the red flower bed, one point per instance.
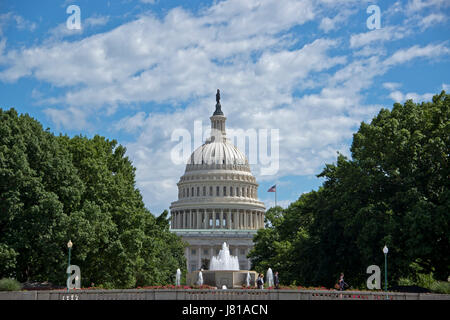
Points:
(170, 286)
(287, 288)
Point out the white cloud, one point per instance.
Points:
(249, 18)
(418, 5)
(398, 96)
(2, 48)
(70, 118)
(418, 14)
(18, 21)
(327, 24)
(395, 8)
(61, 31)
(428, 51)
(392, 85)
(432, 20)
(378, 35)
(23, 24)
(95, 21)
(370, 50)
(131, 124)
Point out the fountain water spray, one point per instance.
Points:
(224, 261)
(178, 277)
(200, 279)
(269, 277)
(248, 279)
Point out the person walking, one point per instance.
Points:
(276, 280)
(260, 281)
(342, 284)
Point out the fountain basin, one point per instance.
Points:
(218, 278)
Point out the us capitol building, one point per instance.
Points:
(217, 200)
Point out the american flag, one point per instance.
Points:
(273, 188)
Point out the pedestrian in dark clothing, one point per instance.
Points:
(276, 280)
(342, 284)
(260, 281)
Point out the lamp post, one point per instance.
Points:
(385, 251)
(69, 245)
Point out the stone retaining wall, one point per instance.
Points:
(197, 294)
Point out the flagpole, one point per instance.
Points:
(275, 196)
(274, 189)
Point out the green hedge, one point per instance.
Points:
(440, 287)
(7, 284)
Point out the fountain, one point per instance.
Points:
(200, 279)
(223, 271)
(224, 261)
(178, 277)
(269, 277)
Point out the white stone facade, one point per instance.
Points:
(217, 201)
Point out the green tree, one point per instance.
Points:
(53, 189)
(394, 191)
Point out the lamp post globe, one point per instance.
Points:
(69, 245)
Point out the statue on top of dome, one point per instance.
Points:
(218, 106)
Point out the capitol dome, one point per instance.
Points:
(217, 197)
(222, 152)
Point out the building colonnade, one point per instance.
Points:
(217, 219)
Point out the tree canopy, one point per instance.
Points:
(56, 188)
(394, 191)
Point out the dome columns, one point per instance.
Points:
(207, 219)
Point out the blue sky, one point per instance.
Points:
(140, 69)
